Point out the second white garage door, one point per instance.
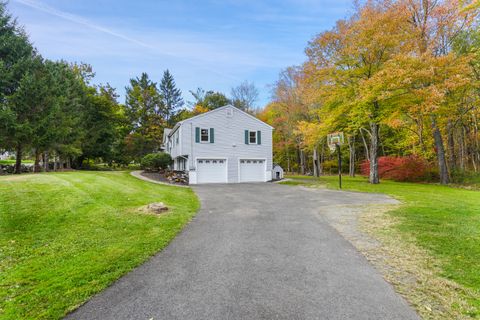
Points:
(211, 171)
(252, 170)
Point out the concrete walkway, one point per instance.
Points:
(256, 251)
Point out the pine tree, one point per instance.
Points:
(171, 96)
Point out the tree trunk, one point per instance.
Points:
(302, 162)
(451, 146)
(61, 163)
(463, 149)
(18, 160)
(45, 161)
(36, 166)
(322, 159)
(440, 150)
(374, 178)
(351, 148)
(476, 152)
(316, 162)
(367, 153)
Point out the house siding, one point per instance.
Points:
(229, 140)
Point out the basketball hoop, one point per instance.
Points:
(334, 139)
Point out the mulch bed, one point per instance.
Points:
(160, 177)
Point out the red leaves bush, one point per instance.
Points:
(411, 168)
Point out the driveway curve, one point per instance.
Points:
(255, 251)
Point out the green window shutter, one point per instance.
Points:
(212, 136)
(246, 136)
(197, 134)
(259, 137)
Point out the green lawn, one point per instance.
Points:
(13, 161)
(66, 236)
(444, 220)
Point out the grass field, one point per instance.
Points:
(444, 220)
(13, 161)
(66, 236)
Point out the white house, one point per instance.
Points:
(225, 145)
(5, 155)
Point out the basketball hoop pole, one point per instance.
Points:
(339, 166)
(334, 140)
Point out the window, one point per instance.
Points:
(204, 137)
(252, 137)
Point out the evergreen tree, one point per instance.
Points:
(16, 56)
(145, 110)
(171, 96)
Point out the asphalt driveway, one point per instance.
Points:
(255, 251)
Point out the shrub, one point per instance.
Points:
(156, 161)
(411, 168)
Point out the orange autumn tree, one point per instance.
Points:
(433, 74)
(284, 113)
(340, 73)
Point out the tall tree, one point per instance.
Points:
(341, 72)
(437, 70)
(206, 101)
(244, 96)
(100, 120)
(171, 96)
(16, 57)
(145, 111)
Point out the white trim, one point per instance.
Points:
(264, 171)
(212, 158)
(256, 137)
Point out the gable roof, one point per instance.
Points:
(178, 124)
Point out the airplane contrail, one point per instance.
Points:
(80, 20)
(77, 19)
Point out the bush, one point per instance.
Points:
(156, 161)
(411, 169)
(465, 177)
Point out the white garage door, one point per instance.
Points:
(252, 170)
(211, 171)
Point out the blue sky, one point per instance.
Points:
(211, 44)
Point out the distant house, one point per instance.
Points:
(225, 145)
(5, 155)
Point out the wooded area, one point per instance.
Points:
(399, 78)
